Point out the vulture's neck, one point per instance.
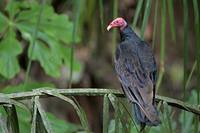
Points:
(128, 34)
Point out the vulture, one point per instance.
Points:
(136, 70)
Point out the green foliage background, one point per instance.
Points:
(35, 30)
(47, 33)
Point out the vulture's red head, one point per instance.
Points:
(117, 23)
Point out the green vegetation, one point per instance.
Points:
(47, 34)
(40, 38)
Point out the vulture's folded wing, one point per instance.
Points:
(135, 81)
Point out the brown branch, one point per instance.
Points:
(42, 92)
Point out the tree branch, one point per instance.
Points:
(42, 92)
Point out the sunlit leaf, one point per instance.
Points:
(9, 66)
(3, 22)
(9, 49)
(49, 36)
(48, 61)
(12, 8)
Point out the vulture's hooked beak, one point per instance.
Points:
(109, 27)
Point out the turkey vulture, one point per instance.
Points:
(136, 69)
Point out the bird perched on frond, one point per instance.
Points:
(136, 69)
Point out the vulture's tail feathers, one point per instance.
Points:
(141, 117)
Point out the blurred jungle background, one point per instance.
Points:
(64, 44)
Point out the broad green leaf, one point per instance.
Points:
(53, 30)
(53, 33)
(32, 7)
(3, 22)
(9, 49)
(57, 50)
(12, 8)
(50, 62)
(10, 45)
(59, 26)
(9, 66)
(52, 24)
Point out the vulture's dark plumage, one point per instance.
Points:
(136, 69)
